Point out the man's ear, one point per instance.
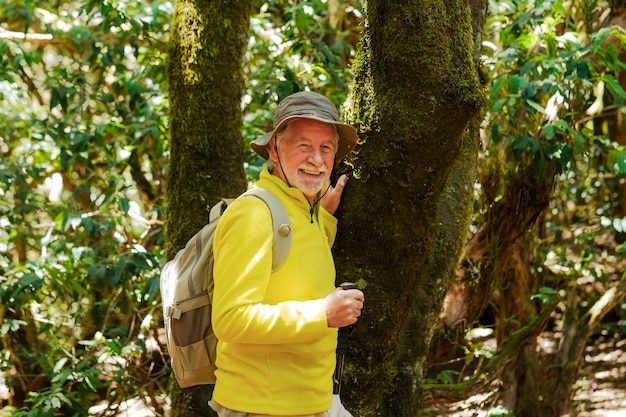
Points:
(273, 150)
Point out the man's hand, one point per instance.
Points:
(343, 307)
(332, 198)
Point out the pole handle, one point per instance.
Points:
(348, 286)
(346, 331)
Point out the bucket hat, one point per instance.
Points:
(307, 105)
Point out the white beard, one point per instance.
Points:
(310, 188)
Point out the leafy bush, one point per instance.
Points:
(84, 160)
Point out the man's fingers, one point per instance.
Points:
(331, 199)
(341, 183)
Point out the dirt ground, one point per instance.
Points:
(601, 389)
(599, 392)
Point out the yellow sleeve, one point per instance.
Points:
(329, 223)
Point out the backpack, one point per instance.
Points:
(186, 284)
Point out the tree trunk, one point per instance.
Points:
(496, 267)
(514, 310)
(208, 40)
(439, 272)
(416, 89)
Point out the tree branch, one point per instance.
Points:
(7, 34)
(607, 302)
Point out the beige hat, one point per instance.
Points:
(307, 105)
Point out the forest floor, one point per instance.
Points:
(599, 392)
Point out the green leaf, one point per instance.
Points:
(59, 365)
(614, 86)
(62, 376)
(517, 83)
(151, 288)
(497, 85)
(9, 325)
(528, 66)
(545, 294)
(92, 380)
(566, 155)
(522, 20)
(114, 346)
(62, 221)
(599, 38)
(495, 133)
(617, 159)
(63, 398)
(562, 125)
(124, 204)
(528, 40)
(583, 70)
(536, 106)
(498, 105)
(621, 163)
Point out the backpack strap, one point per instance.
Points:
(218, 209)
(280, 224)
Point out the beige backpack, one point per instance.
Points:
(187, 292)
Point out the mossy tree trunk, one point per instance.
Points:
(416, 89)
(455, 212)
(496, 272)
(208, 40)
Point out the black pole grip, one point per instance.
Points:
(345, 332)
(348, 286)
(342, 346)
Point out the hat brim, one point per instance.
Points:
(347, 137)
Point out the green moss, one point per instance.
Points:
(415, 91)
(208, 40)
(204, 69)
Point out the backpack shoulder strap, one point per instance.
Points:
(280, 224)
(218, 209)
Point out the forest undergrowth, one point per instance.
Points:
(600, 390)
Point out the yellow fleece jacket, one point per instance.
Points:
(275, 354)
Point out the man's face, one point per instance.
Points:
(305, 157)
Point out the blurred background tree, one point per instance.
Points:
(546, 245)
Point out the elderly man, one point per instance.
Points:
(277, 329)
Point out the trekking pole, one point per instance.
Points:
(342, 346)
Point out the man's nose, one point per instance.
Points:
(316, 158)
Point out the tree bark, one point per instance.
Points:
(208, 40)
(416, 89)
(514, 310)
(454, 216)
(438, 273)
